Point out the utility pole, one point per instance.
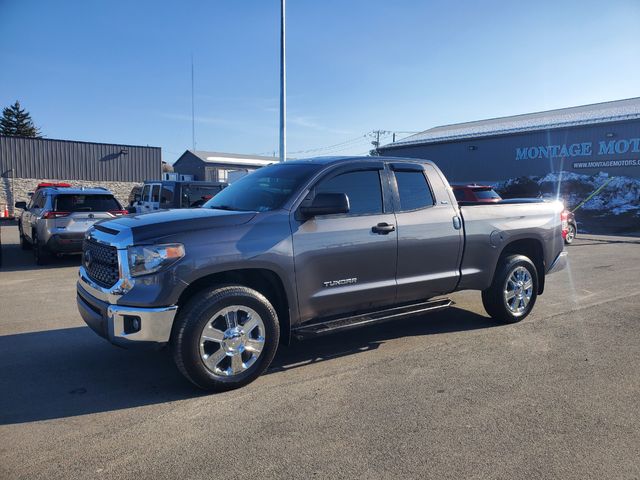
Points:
(376, 143)
(193, 110)
(283, 87)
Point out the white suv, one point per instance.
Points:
(56, 219)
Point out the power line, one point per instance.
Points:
(347, 144)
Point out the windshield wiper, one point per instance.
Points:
(224, 207)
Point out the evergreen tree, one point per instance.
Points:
(17, 121)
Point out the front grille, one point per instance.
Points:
(101, 263)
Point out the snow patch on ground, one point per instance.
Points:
(620, 196)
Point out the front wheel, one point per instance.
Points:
(225, 338)
(24, 243)
(514, 289)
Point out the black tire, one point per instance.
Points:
(41, 255)
(197, 314)
(493, 298)
(24, 243)
(571, 234)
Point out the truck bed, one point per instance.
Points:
(489, 227)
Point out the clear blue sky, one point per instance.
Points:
(119, 71)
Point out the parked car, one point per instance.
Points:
(165, 195)
(569, 227)
(475, 194)
(56, 218)
(305, 248)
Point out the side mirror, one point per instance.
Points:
(326, 204)
(136, 197)
(21, 205)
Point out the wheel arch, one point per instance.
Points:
(531, 248)
(263, 280)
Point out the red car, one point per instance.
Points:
(475, 193)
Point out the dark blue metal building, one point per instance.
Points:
(589, 139)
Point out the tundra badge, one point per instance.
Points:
(339, 283)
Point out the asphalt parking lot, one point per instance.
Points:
(448, 395)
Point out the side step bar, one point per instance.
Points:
(346, 323)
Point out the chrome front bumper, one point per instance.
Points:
(560, 263)
(123, 325)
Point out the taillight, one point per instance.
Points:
(564, 220)
(50, 215)
(118, 212)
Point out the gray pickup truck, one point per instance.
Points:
(305, 248)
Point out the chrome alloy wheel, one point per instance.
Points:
(518, 289)
(232, 340)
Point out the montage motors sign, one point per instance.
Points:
(585, 149)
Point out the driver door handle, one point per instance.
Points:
(383, 228)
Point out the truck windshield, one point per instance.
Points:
(266, 189)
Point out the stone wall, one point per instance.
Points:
(15, 190)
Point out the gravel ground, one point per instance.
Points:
(447, 395)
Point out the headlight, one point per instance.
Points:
(145, 259)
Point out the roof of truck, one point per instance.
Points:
(346, 159)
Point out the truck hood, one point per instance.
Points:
(148, 226)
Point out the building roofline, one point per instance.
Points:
(506, 132)
(554, 121)
(79, 141)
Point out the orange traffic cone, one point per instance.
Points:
(5, 213)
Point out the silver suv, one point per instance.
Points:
(56, 219)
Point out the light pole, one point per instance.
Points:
(283, 87)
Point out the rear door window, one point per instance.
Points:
(145, 193)
(413, 190)
(38, 200)
(86, 203)
(155, 194)
(166, 197)
(362, 187)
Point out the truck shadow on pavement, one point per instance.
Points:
(68, 372)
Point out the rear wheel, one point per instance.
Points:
(514, 289)
(571, 234)
(225, 338)
(41, 255)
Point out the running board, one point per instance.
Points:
(346, 323)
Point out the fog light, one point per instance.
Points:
(132, 324)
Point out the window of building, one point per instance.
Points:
(413, 190)
(363, 189)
